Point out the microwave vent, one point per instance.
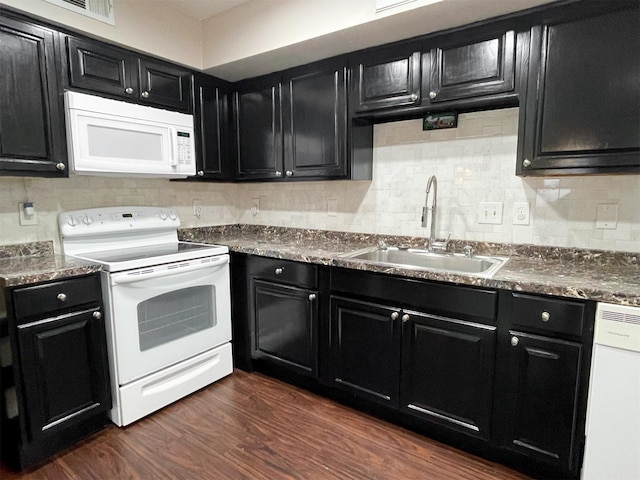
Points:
(98, 9)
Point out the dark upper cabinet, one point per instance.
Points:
(32, 138)
(103, 68)
(387, 77)
(293, 125)
(258, 129)
(447, 371)
(469, 65)
(211, 124)
(582, 110)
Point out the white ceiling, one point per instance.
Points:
(202, 9)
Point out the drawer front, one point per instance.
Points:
(50, 298)
(303, 275)
(549, 314)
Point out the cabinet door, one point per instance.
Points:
(165, 85)
(582, 110)
(447, 372)
(32, 139)
(258, 129)
(211, 127)
(471, 69)
(64, 370)
(387, 77)
(540, 398)
(365, 349)
(315, 122)
(284, 322)
(102, 68)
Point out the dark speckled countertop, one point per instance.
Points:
(36, 262)
(605, 276)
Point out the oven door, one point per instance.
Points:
(162, 315)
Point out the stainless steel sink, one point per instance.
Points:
(422, 259)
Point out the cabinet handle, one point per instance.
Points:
(289, 173)
(395, 315)
(61, 166)
(61, 297)
(97, 315)
(405, 318)
(200, 173)
(545, 316)
(514, 341)
(526, 163)
(312, 297)
(433, 94)
(145, 94)
(413, 97)
(128, 90)
(278, 270)
(278, 173)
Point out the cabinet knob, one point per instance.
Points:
(278, 173)
(278, 270)
(61, 297)
(405, 318)
(145, 94)
(289, 173)
(526, 163)
(395, 315)
(312, 297)
(514, 341)
(61, 166)
(128, 90)
(200, 173)
(97, 315)
(545, 316)
(413, 97)
(433, 94)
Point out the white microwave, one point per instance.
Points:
(114, 138)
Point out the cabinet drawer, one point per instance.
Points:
(553, 315)
(303, 275)
(52, 297)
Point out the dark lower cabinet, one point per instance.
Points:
(541, 409)
(448, 371)
(32, 137)
(365, 349)
(55, 377)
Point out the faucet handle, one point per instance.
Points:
(440, 245)
(468, 251)
(382, 245)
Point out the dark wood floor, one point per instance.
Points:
(251, 426)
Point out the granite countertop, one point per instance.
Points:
(604, 276)
(36, 262)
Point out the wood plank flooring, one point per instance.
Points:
(249, 426)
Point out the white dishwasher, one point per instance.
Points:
(612, 448)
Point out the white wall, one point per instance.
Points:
(142, 25)
(473, 163)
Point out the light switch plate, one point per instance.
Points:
(490, 212)
(332, 207)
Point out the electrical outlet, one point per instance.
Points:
(490, 212)
(198, 209)
(521, 213)
(27, 213)
(607, 216)
(332, 207)
(255, 206)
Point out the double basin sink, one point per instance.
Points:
(478, 265)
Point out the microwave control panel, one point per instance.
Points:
(185, 148)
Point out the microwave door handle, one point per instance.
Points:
(173, 138)
(129, 278)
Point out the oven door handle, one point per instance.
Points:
(119, 279)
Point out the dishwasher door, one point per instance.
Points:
(613, 414)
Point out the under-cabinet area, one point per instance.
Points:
(503, 374)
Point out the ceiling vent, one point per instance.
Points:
(98, 9)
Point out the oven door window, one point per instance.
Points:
(176, 314)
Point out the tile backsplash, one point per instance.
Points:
(473, 163)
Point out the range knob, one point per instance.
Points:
(163, 216)
(88, 219)
(173, 215)
(72, 221)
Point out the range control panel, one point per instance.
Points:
(115, 220)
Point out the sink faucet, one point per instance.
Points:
(432, 232)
